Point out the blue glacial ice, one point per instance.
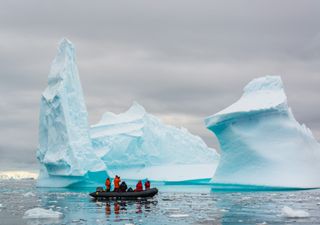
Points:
(137, 144)
(65, 150)
(134, 144)
(262, 143)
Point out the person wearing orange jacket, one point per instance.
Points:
(139, 186)
(108, 184)
(116, 182)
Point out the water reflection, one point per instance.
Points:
(108, 209)
(118, 207)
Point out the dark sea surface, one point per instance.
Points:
(175, 204)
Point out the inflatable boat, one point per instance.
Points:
(141, 194)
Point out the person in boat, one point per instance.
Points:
(130, 189)
(108, 184)
(147, 184)
(116, 182)
(123, 186)
(139, 186)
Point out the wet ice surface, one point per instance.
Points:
(173, 205)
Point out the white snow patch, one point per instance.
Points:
(291, 213)
(40, 213)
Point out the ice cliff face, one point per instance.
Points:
(138, 145)
(262, 143)
(65, 147)
(134, 144)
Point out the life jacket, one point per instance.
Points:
(108, 183)
(147, 184)
(116, 182)
(139, 186)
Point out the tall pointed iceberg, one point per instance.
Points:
(262, 143)
(65, 149)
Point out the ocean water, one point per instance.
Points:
(175, 204)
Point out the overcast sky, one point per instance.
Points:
(182, 60)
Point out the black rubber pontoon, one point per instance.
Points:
(141, 194)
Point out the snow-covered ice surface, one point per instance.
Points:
(262, 143)
(134, 144)
(4, 175)
(175, 204)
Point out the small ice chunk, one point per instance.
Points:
(99, 203)
(29, 194)
(224, 210)
(291, 213)
(40, 213)
(1, 206)
(53, 201)
(178, 215)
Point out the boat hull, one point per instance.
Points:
(141, 194)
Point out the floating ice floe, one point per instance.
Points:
(291, 213)
(178, 215)
(40, 213)
(29, 194)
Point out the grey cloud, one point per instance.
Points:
(179, 59)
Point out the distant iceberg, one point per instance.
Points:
(262, 143)
(134, 144)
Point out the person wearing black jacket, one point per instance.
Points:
(123, 186)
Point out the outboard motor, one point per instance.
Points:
(99, 189)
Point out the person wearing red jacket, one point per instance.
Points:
(147, 184)
(139, 186)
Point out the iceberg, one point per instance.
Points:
(137, 144)
(65, 150)
(134, 144)
(262, 143)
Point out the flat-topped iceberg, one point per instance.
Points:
(134, 144)
(262, 143)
